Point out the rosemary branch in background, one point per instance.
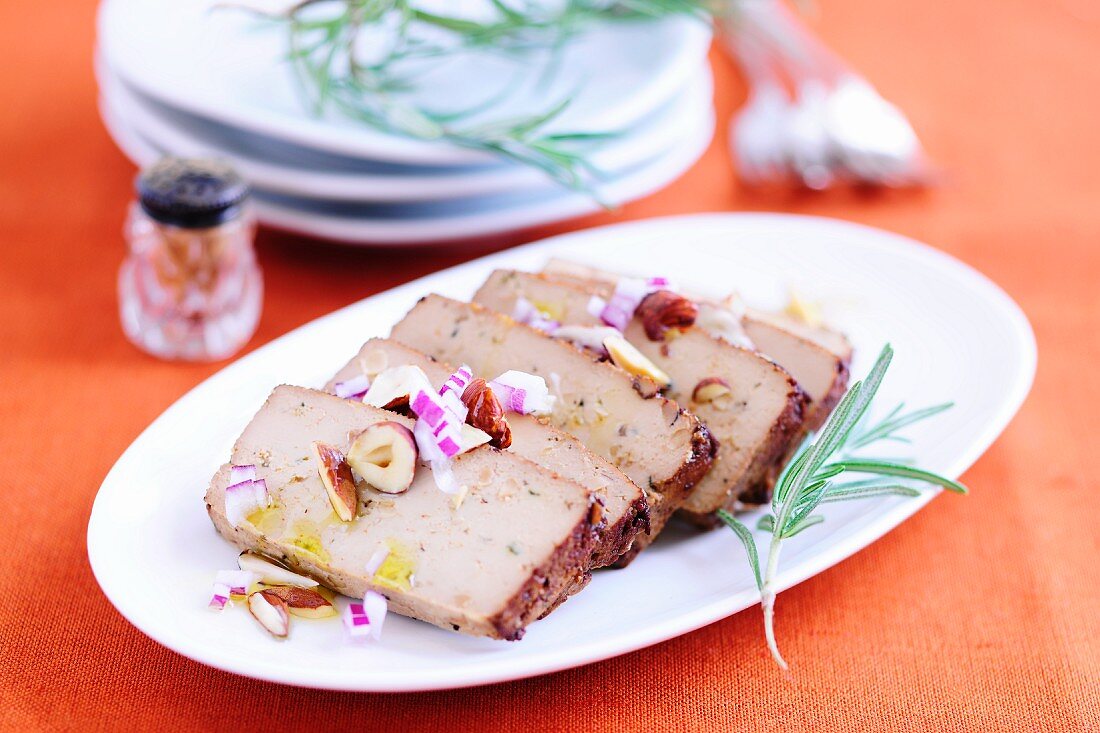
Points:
(327, 52)
(811, 479)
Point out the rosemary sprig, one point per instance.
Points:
(339, 70)
(809, 480)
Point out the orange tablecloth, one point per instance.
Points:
(980, 614)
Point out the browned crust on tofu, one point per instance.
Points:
(704, 447)
(819, 411)
(566, 568)
(760, 477)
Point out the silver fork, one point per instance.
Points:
(757, 137)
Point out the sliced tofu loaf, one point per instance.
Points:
(659, 446)
(816, 356)
(754, 422)
(625, 509)
(487, 565)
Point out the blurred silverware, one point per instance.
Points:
(836, 126)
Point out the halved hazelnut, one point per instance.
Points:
(271, 572)
(486, 413)
(663, 309)
(385, 455)
(625, 356)
(271, 612)
(302, 602)
(710, 389)
(336, 476)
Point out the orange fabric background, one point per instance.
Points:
(980, 614)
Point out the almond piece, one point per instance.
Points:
(271, 612)
(336, 476)
(710, 389)
(302, 602)
(630, 359)
(486, 413)
(271, 571)
(664, 309)
(385, 455)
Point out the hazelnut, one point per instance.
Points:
(710, 389)
(385, 455)
(664, 309)
(271, 612)
(486, 413)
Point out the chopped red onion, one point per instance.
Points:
(364, 620)
(457, 382)
(241, 499)
(526, 312)
(352, 389)
(523, 393)
(237, 581)
(629, 294)
(220, 596)
(240, 474)
(596, 304)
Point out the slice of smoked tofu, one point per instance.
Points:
(625, 509)
(755, 415)
(649, 438)
(486, 562)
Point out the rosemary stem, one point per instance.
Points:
(767, 600)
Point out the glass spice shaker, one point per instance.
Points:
(190, 288)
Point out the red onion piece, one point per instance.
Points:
(365, 620)
(376, 560)
(526, 312)
(220, 596)
(523, 393)
(241, 499)
(457, 382)
(237, 581)
(352, 389)
(240, 474)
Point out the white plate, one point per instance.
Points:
(301, 172)
(957, 336)
(424, 222)
(227, 66)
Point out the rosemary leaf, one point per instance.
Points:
(747, 540)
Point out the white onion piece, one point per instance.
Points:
(353, 388)
(237, 581)
(376, 606)
(243, 498)
(220, 596)
(376, 560)
(523, 393)
(596, 304)
(240, 474)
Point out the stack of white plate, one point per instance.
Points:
(178, 77)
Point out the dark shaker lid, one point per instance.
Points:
(194, 193)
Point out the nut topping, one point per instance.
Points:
(303, 602)
(271, 612)
(486, 413)
(664, 309)
(336, 476)
(710, 389)
(625, 356)
(385, 455)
